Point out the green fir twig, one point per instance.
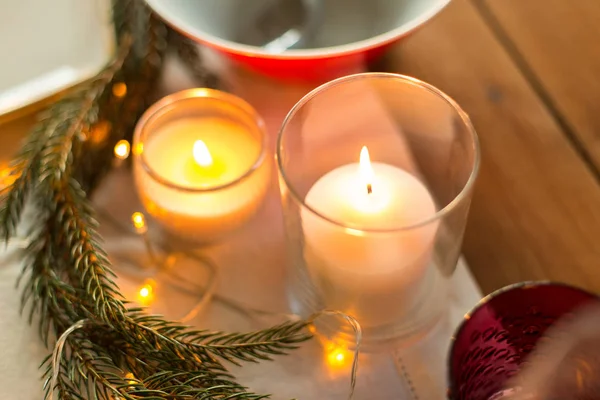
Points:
(119, 352)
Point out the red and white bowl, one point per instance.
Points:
(351, 32)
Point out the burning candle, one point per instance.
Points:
(358, 245)
(378, 241)
(201, 169)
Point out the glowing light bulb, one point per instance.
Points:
(99, 132)
(138, 149)
(201, 154)
(122, 149)
(7, 176)
(139, 222)
(119, 89)
(138, 219)
(366, 169)
(130, 378)
(337, 357)
(146, 293)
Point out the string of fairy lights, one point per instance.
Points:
(337, 356)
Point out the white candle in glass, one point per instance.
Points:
(361, 244)
(203, 176)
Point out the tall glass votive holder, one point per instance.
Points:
(200, 163)
(376, 173)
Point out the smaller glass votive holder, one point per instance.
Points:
(495, 339)
(376, 174)
(200, 163)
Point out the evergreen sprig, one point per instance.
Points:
(119, 352)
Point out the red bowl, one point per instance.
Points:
(352, 33)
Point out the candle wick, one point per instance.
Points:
(369, 188)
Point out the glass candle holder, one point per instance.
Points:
(376, 173)
(200, 163)
(496, 338)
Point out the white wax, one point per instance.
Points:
(202, 214)
(369, 274)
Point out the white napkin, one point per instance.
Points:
(21, 349)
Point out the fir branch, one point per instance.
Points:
(78, 236)
(76, 113)
(47, 151)
(204, 345)
(56, 303)
(67, 276)
(24, 168)
(253, 346)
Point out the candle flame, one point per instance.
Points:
(201, 154)
(366, 169)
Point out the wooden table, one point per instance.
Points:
(528, 73)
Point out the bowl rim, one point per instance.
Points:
(161, 8)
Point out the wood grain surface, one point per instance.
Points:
(12, 134)
(536, 208)
(557, 44)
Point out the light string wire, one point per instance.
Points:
(57, 355)
(357, 335)
(208, 293)
(246, 311)
(165, 262)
